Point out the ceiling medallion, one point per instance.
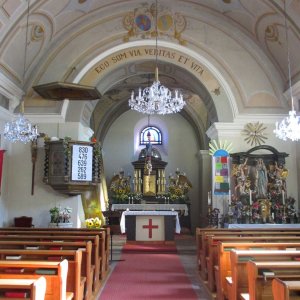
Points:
(254, 133)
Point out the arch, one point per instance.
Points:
(129, 57)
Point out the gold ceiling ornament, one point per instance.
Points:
(254, 133)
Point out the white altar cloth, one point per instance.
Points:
(149, 213)
(153, 206)
(262, 226)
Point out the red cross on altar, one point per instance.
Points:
(150, 227)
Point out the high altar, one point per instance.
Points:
(150, 200)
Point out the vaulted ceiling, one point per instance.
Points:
(66, 35)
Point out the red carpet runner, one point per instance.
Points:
(148, 272)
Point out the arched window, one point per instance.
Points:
(150, 132)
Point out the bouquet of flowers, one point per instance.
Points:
(93, 223)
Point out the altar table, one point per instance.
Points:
(152, 206)
(150, 225)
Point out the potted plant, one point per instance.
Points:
(60, 217)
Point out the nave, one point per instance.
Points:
(186, 247)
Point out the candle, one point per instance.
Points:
(283, 200)
(209, 199)
(250, 199)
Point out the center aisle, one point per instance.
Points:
(149, 271)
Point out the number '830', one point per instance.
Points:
(83, 150)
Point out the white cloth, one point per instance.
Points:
(149, 213)
(153, 206)
(262, 226)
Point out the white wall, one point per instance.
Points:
(17, 199)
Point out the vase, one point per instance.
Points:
(60, 225)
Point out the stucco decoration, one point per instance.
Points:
(141, 23)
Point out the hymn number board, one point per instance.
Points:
(72, 167)
(82, 163)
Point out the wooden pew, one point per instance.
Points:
(55, 283)
(239, 258)
(96, 260)
(75, 282)
(104, 233)
(285, 290)
(203, 233)
(212, 259)
(103, 257)
(223, 267)
(35, 288)
(261, 274)
(87, 269)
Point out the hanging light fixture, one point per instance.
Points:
(156, 99)
(21, 130)
(289, 127)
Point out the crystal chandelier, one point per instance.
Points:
(21, 130)
(156, 99)
(289, 127)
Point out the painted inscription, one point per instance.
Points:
(142, 52)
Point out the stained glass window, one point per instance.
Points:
(151, 132)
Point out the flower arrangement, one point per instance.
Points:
(179, 187)
(59, 215)
(120, 187)
(93, 223)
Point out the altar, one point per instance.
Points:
(150, 225)
(153, 206)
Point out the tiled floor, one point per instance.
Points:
(187, 250)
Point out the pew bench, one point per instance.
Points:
(203, 233)
(75, 283)
(56, 279)
(238, 282)
(102, 256)
(261, 274)
(223, 267)
(33, 289)
(213, 253)
(103, 232)
(285, 290)
(96, 260)
(87, 269)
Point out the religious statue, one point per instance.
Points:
(179, 186)
(265, 210)
(280, 179)
(120, 187)
(261, 180)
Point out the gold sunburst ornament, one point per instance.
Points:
(254, 133)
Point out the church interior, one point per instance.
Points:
(181, 114)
